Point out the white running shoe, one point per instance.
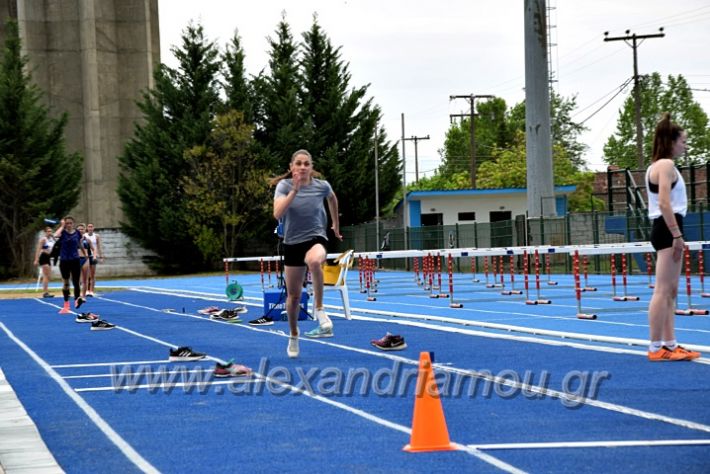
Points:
(292, 349)
(323, 320)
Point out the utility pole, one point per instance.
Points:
(416, 155)
(405, 220)
(377, 187)
(633, 41)
(538, 135)
(472, 102)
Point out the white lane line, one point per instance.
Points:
(491, 378)
(361, 413)
(165, 386)
(147, 374)
(593, 444)
(103, 364)
(127, 450)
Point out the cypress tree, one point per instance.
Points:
(178, 114)
(38, 177)
(340, 126)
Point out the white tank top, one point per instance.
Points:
(679, 199)
(92, 239)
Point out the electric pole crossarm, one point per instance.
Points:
(416, 154)
(634, 44)
(472, 102)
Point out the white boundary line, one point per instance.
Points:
(131, 454)
(593, 444)
(170, 385)
(361, 413)
(495, 379)
(496, 326)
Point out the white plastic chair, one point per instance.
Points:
(345, 262)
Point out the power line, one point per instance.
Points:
(634, 44)
(621, 89)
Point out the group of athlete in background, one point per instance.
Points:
(79, 251)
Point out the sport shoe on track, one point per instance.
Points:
(65, 309)
(319, 332)
(666, 355)
(391, 342)
(185, 354)
(101, 325)
(78, 302)
(323, 320)
(230, 369)
(209, 310)
(292, 349)
(262, 321)
(689, 355)
(48, 295)
(228, 315)
(86, 318)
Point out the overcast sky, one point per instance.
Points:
(414, 54)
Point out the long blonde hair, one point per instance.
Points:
(287, 174)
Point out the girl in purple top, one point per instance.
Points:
(69, 264)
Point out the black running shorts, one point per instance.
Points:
(661, 237)
(294, 255)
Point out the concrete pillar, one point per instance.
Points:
(541, 197)
(93, 59)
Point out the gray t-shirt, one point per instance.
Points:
(305, 218)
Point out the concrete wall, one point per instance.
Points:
(92, 59)
(123, 256)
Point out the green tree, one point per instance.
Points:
(280, 127)
(227, 196)
(178, 115)
(673, 96)
(496, 128)
(492, 130)
(37, 176)
(239, 91)
(340, 126)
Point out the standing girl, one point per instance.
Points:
(667, 205)
(44, 249)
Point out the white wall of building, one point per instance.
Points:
(482, 205)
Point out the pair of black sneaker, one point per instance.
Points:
(185, 354)
(97, 324)
(228, 315)
(262, 321)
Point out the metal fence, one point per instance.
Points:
(571, 229)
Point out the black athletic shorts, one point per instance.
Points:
(70, 269)
(43, 258)
(661, 237)
(295, 255)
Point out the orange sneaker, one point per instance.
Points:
(689, 355)
(666, 355)
(65, 309)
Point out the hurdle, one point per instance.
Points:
(548, 270)
(578, 289)
(512, 290)
(689, 311)
(450, 265)
(701, 274)
(625, 296)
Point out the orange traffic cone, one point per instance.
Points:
(429, 432)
